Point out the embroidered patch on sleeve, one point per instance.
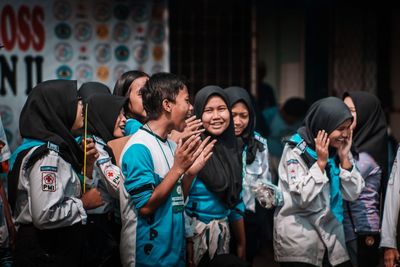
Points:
(112, 176)
(292, 166)
(102, 161)
(49, 181)
(48, 168)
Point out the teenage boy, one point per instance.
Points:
(152, 201)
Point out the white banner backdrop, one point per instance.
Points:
(78, 40)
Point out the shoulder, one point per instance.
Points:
(99, 142)
(258, 137)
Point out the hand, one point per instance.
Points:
(203, 153)
(192, 128)
(344, 149)
(92, 199)
(184, 158)
(390, 257)
(91, 152)
(321, 147)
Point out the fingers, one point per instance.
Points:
(194, 125)
(190, 120)
(188, 141)
(201, 147)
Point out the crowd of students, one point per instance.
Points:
(141, 177)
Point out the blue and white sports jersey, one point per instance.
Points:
(157, 240)
(206, 206)
(132, 126)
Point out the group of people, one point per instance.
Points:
(141, 177)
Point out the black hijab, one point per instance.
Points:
(222, 173)
(89, 89)
(235, 95)
(325, 114)
(49, 114)
(103, 111)
(370, 134)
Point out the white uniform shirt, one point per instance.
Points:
(49, 193)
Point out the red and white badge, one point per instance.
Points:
(49, 181)
(112, 176)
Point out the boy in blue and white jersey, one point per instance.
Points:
(154, 168)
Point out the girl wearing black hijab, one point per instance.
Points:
(370, 154)
(258, 191)
(215, 195)
(89, 89)
(316, 173)
(129, 85)
(50, 207)
(107, 121)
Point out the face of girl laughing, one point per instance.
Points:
(215, 116)
(119, 128)
(340, 135)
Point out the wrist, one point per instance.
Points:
(178, 171)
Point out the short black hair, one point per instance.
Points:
(160, 86)
(123, 83)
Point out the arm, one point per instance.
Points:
(303, 184)
(351, 183)
(50, 206)
(111, 174)
(203, 153)
(140, 183)
(238, 230)
(391, 208)
(390, 216)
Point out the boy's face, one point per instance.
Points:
(181, 109)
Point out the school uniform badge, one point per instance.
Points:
(112, 176)
(49, 181)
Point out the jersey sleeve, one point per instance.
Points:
(138, 170)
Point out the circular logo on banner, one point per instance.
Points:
(141, 53)
(102, 12)
(63, 30)
(6, 115)
(121, 12)
(158, 53)
(83, 31)
(62, 10)
(122, 32)
(156, 69)
(102, 31)
(122, 53)
(119, 70)
(84, 73)
(157, 33)
(140, 12)
(64, 72)
(63, 52)
(83, 53)
(102, 73)
(103, 53)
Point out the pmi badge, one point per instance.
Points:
(49, 181)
